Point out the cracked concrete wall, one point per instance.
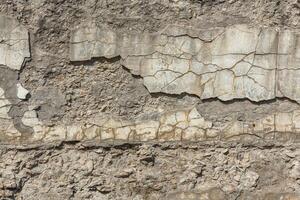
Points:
(149, 99)
(227, 63)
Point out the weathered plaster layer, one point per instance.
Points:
(14, 43)
(179, 125)
(14, 50)
(228, 63)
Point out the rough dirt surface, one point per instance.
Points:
(150, 171)
(64, 92)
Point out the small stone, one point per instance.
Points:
(22, 93)
(56, 133)
(74, 132)
(249, 179)
(194, 114)
(122, 133)
(125, 173)
(91, 132)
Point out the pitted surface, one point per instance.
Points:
(145, 171)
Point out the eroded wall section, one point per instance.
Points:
(182, 113)
(234, 62)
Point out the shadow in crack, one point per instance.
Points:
(96, 59)
(276, 99)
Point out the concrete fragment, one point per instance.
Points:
(22, 93)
